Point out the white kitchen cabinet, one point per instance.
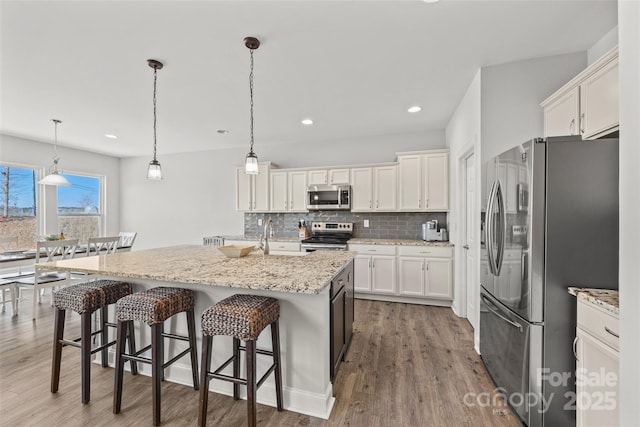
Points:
(588, 104)
(425, 271)
(328, 176)
(252, 191)
(597, 373)
(288, 191)
(374, 189)
(423, 181)
(375, 268)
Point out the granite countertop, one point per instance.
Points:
(205, 265)
(605, 298)
(257, 237)
(400, 242)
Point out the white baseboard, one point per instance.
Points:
(402, 299)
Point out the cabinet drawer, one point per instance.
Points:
(284, 246)
(373, 249)
(599, 323)
(426, 251)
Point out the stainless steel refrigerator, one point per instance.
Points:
(549, 221)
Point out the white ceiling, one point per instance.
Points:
(353, 66)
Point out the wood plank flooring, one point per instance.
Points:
(408, 365)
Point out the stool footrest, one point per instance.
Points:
(228, 378)
(258, 351)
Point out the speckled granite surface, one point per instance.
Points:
(256, 238)
(205, 265)
(605, 298)
(400, 242)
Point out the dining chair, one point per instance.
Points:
(8, 285)
(126, 240)
(102, 245)
(48, 251)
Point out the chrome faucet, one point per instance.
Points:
(267, 232)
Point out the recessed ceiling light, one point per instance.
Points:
(431, 1)
(111, 136)
(414, 109)
(307, 122)
(223, 131)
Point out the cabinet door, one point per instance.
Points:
(362, 273)
(439, 283)
(338, 176)
(411, 275)
(261, 189)
(317, 177)
(279, 190)
(599, 101)
(361, 189)
(436, 181)
(297, 191)
(410, 183)
(596, 382)
(562, 116)
(383, 274)
(244, 202)
(385, 186)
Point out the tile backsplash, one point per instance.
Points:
(388, 225)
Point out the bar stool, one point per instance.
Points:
(243, 317)
(84, 299)
(153, 307)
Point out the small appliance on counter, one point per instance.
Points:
(303, 231)
(430, 232)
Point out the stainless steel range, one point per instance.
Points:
(328, 236)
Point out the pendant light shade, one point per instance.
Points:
(251, 162)
(154, 170)
(54, 177)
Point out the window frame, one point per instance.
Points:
(102, 200)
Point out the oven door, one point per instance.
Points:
(505, 340)
(311, 247)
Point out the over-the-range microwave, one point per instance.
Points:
(325, 197)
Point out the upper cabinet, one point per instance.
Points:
(374, 189)
(423, 181)
(588, 104)
(252, 191)
(288, 191)
(328, 176)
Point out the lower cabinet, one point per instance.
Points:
(342, 316)
(396, 272)
(596, 351)
(425, 272)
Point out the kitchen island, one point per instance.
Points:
(302, 284)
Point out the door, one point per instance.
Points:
(599, 101)
(383, 274)
(297, 191)
(261, 189)
(410, 182)
(362, 273)
(385, 178)
(438, 278)
(279, 201)
(411, 274)
(470, 225)
(317, 177)
(244, 201)
(561, 117)
(436, 172)
(361, 189)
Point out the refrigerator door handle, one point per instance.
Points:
(489, 228)
(502, 228)
(495, 309)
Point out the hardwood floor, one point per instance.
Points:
(408, 365)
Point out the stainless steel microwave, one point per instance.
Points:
(329, 197)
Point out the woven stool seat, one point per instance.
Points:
(240, 316)
(90, 296)
(155, 305)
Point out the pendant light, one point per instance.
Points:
(251, 162)
(154, 171)
(54, 177)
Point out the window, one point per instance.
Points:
(80, 207)
(18, 204)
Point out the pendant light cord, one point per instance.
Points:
(155, 78)
(251, 99)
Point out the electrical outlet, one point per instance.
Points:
(366, 223)
(259, 221)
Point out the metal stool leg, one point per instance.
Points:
(117, 386)
(132, 347)
(191, 325)
(275, 346)
(236, 367)
(251, 382)
(85, 358)
(58, 334)
(104, 337)
(205, 367)
(156, 369)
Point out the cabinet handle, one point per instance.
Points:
(373, 264)
(419, 203)
(426, 203)
(572, 126)
(426, 266)
(377, 204)
(369, 204)
(611, 332)
(575, 353)
(422, 265)
(369, 262)
(582, 123)
(372, 250)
